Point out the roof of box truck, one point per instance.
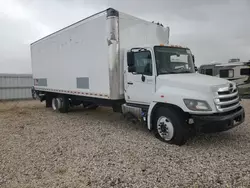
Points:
(70, 25)
(108, 10)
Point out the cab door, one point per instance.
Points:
(140, 78)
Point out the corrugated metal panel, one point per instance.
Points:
(15, 86)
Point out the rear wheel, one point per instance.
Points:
(48, 101)
(56, 104)
(170, 126)
(60, 104)
(65, 104)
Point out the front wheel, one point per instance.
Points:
(170, 126)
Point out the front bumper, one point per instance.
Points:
(219, 122)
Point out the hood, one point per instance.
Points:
(192, 81)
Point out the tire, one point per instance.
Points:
(48, 101)
(56, 104)
(170, 126)
(64, 104)
(60, 104)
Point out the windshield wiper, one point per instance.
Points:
(185, 72)
(182, 71)
(170, 72)
(175, 72)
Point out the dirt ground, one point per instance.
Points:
(42, 148)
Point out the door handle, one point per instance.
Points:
(143, 78)
(130, 83)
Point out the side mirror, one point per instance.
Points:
(130, 59)
(193, 58)
(131, 69)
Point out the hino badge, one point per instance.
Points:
(117, 60)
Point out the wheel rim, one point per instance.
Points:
(54, 104)
(165, 128)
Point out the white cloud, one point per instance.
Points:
(214, 30)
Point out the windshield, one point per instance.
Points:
(170, 60)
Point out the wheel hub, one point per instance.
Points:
(165, 128)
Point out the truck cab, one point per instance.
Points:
(162, 82)
(148, 67)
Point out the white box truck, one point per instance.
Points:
(117, 60)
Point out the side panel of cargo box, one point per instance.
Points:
(74, 60)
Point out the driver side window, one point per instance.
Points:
(143, 63)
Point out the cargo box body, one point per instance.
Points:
(86, 58)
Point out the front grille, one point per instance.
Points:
(227, 99)
(228, 105)
(227, 92)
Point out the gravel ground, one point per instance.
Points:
(41, 148)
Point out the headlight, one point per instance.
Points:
(197, 105)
